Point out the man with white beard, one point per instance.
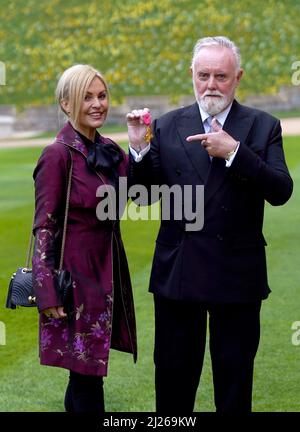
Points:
(219, 272)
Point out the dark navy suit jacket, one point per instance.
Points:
(225, 260)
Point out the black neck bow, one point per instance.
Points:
(103, 157)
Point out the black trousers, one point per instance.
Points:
(180, 338)
(84, 393)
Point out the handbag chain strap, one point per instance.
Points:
(66, 214)
(29, 249)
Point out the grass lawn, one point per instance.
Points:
(27, 386)
(285, 114)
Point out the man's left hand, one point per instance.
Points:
(217, 143)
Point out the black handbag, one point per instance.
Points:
(20, 290)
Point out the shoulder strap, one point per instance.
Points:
(29, 249)
(66, 213)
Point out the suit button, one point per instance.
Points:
(225, 209)
(219, 237)
(178, 172)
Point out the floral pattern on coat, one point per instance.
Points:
(79, 344)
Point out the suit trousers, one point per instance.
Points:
(180, 339)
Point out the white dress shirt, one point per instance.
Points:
(139, 156)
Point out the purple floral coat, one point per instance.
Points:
(103, 315)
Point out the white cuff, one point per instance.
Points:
(229, 161)
(139, 156)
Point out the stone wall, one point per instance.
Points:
(287, 99)
(45, 118)
(6, 126)
(40, 118)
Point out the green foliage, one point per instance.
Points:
(143, 48)
(27, 386)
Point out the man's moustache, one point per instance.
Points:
(213, 94)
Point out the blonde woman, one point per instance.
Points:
(102, 315)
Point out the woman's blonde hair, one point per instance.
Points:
(73, 85)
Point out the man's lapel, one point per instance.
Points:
(189, 122)
(238, 124)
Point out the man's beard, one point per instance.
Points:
(213, 105)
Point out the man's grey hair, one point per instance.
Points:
(221, 41)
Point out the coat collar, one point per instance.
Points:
(68, 136)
